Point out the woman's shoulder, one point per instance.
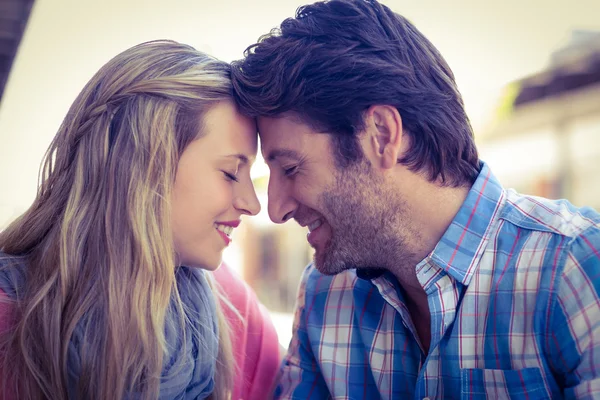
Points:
(243, 298)
(12, 277)
(9, 260)
(12, 274)
(255, 342)
(235, 290)
(6, 307)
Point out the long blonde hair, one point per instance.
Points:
(97, 238)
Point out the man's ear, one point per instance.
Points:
(382, 143)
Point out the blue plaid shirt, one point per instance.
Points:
(513, 290)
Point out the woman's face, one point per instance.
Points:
(213, 187)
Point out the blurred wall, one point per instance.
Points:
(549, 144)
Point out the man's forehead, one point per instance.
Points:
(290, 116)
(279, 138)
(287, 136)
(288, 122)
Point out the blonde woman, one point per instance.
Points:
(104, 289)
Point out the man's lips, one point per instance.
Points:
(319, 233)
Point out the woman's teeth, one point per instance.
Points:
(225, 229)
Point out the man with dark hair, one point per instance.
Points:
(429, 280)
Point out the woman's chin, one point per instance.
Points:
(209, 265)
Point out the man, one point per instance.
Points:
(429, 280)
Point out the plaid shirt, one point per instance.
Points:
(513, 291)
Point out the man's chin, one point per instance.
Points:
(326, 266)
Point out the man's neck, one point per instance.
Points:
(432, 210)
(415, 300)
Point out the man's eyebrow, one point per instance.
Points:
(282, 153)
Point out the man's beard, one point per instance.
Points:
(368, 222)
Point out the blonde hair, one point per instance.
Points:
(97, 238)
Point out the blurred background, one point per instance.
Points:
(529, 72)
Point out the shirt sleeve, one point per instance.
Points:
(573, 340)
(300, 375)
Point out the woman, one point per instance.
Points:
(255, 342)
(105, 294)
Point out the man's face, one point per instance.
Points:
(354, 219)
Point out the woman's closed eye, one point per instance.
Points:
(230, 176)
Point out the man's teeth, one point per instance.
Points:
(314, 225)
(225, 229)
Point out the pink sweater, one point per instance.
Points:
(255, 343)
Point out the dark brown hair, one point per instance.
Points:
(337, 58)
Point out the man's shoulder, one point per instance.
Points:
(558, 217)
(331, 300)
